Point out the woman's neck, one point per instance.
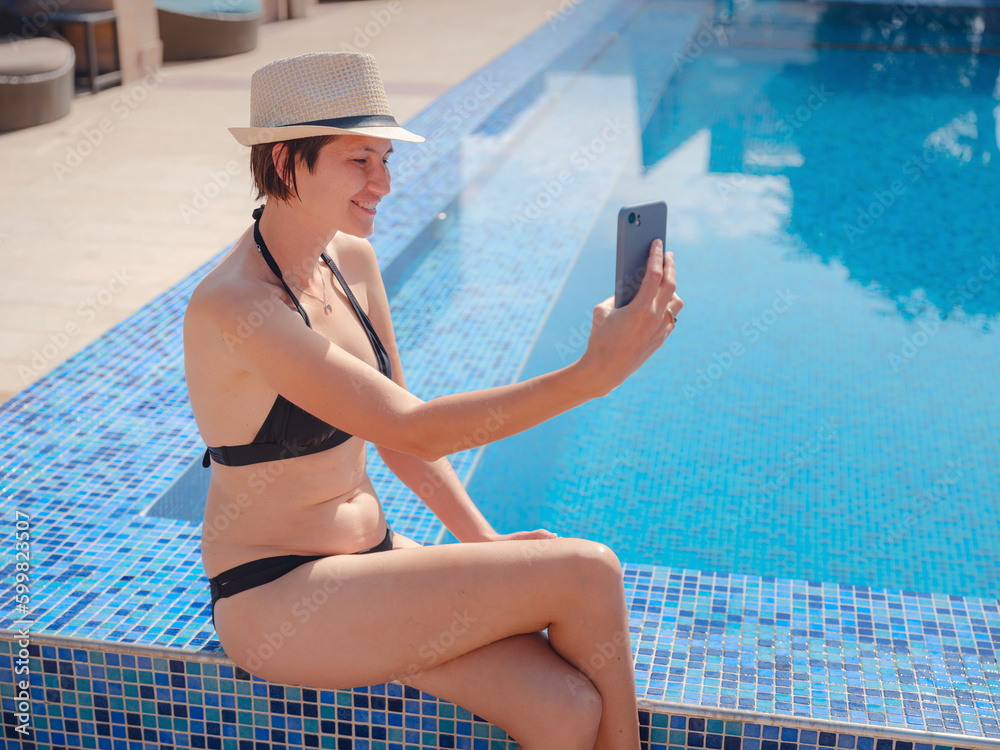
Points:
(295, 240)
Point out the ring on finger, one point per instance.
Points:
(673, 317)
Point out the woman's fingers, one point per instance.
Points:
(659, 285)
(523, 535)
(536, 534)
(602, 310)
(653, 277)
(666, 292)
(674, 306)
(622, 339)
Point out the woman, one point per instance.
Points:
(309, 584)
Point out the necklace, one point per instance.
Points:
(326, 305)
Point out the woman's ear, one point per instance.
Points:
(279, 157)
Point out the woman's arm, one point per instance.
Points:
(434, 482)
(437, 484)
(344, 391)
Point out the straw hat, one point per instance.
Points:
(319, 94)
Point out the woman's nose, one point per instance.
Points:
(380, 179)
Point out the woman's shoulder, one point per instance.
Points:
(355, 256)
(226, 288)
(353, 248)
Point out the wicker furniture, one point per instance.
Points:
(36, 80)
(84, 23)
(196, 29)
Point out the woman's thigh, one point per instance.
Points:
(350, 620)
(403, 542)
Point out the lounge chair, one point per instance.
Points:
(36, 75)
(197, 29)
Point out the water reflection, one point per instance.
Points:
(891, 154)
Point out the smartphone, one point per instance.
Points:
(638, 226)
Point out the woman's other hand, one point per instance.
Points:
(522, 535)
(622, 339)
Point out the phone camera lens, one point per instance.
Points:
(631, 218)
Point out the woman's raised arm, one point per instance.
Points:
(346, 392)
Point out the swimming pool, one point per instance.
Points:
(524, 159)
(826, 409)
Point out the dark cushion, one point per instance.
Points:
(87, 5)
(209, 7)
(29, 57)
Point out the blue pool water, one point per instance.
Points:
(528, 162)
(827, 408)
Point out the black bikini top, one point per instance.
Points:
(288, 430)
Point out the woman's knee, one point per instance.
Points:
(595, 563)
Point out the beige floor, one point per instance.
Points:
(106, 208)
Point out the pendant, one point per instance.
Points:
(328, 308)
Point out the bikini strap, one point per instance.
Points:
(265, 253)
(380, 352)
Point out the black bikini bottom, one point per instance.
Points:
(267, 569)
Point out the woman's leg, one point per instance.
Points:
(535, 695)
(354, 620)
(523, 686)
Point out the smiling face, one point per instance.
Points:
(350, 177)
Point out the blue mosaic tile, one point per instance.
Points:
(813, 659)
(83, 698)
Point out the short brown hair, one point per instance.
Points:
(266, 177)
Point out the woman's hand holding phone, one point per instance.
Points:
(621, 339)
